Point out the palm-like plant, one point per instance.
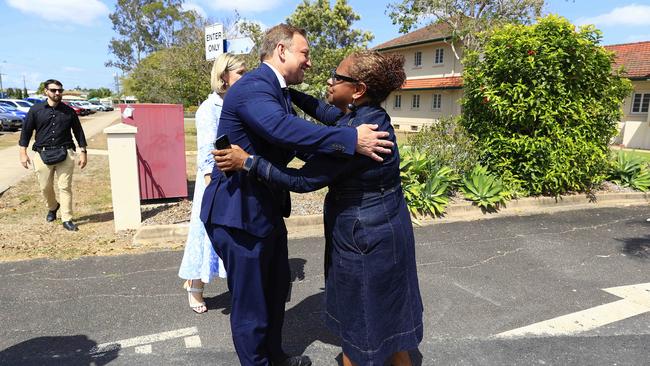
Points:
(484, 189)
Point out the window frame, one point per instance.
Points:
(442, 56)
(645, 97)
(434, 97)
(413, 99)
(396, 105)
(417, 59)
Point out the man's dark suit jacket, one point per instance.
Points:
(257, 116)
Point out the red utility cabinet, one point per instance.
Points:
(160, 145)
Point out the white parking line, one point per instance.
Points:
(193, 342)
(636, 300)
(144, 340)
(146, 349)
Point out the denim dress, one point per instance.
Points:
(199, 258)
(372, 294)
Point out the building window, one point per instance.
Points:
(439, 58)
(436, 103)
(396, 127)
(415, 102)
(640, 103)
(418, 58)
(414, 128)
(398, 102)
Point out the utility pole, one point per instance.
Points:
(1, 88)
(25, 87)
(117, 83)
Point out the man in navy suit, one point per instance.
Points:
(244, 217)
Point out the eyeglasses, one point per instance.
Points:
(336, 77)
(56, 90)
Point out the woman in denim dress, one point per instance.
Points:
(200, 263)
(372, 294)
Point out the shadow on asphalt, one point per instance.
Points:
(64, 350)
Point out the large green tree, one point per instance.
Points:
(543, 102)
(145, 26)
(465, 18)
(99, 93)
(330, 35)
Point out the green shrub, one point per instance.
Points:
(426, 189)
(630, 171)
(543, 103)
(446, 143)
(484, 189)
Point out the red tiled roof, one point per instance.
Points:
(451, 82)
(634, 56)
(428, 33)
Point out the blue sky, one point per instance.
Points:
(68, 39)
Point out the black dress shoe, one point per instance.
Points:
(294, 361)
(69, 225)
(51, 215)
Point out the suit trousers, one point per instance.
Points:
(45, 176)
(258, 277)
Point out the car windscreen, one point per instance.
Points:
(24, 104)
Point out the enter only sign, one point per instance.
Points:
(635, 301)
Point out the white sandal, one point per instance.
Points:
(197, 307)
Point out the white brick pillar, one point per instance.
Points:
(125, 184)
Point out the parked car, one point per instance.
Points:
(12, 111)
(22, 105)
(35, 100)
(100, 106)
(79, 104)
(88, 105)
(9, 122)
(79, 111)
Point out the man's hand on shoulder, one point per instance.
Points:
(371, 142)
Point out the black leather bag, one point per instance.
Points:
(53, 156)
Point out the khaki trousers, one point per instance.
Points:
(45, 176)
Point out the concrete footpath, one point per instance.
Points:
(11, 172)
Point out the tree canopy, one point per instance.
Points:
(145, 26)
(331, 37)
(466, 18)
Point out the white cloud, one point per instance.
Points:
(83, 12)
(629, 15)
(197, 8)
(245, 5)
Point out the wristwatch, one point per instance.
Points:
(248, 163)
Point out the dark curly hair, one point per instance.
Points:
(382, 73)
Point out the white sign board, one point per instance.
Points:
(213, 41)
(239, 46)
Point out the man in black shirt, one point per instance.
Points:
(53, 122)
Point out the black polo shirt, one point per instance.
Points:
(53, 126)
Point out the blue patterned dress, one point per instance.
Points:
(200, 259)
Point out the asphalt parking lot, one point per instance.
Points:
(569, 288)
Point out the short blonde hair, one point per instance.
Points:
(224, 63)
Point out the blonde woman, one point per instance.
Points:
(200, 263)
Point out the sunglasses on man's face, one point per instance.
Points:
(336, 77)
(55, 90)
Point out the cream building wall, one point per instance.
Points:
(407, 118)
(635, 126)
